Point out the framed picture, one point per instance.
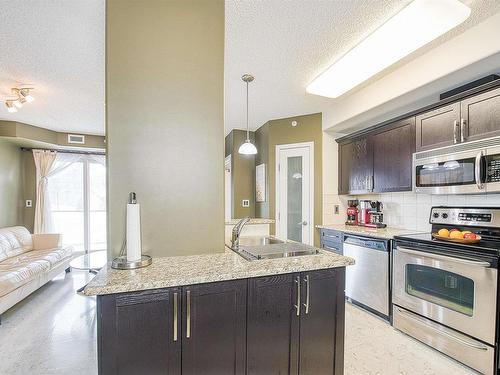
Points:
(260, 183)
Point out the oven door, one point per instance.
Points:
(459, 293)
(456, 173)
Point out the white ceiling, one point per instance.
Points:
(58, 47)
(285, 45)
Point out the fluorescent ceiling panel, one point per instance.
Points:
(416, 25)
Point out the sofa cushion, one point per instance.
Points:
(53, 256)
(14, 241)
(14, 273)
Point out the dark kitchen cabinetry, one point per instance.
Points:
(136, 333)
(280, 324)
(393, 150)
(295, 323)
(214, 328)
(379, 162)
(146, 332)
(438, 128)
(480, 116)
(356, 166)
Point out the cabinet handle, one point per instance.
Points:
(176, 309)
(455, 136)
(462, 130)
(188, 314)
(306, 305)
(297, 306)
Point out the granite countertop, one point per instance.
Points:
(196, 269)
(387, 233)
(252, 221)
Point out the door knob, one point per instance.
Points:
(303, 223)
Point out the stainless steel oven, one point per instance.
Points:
(455, 291)
(472, 167)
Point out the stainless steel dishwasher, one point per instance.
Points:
(367, 282)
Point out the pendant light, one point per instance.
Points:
(248, 147)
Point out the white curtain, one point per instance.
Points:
(49, 163)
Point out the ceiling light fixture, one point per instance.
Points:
(26, 94)
(247, 148)
(413, 27)
(19, 102)
(10, 106)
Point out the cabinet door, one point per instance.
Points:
(362, 166)
(322, 322)
(272, 341)
(481, 116)
(214, 328)
(438, 128)
(136, 333)
(392, 157)
(346, 152)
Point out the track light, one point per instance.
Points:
(23, 96)
(10, 106)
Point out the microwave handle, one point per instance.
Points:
(477, 170)
(455, 135)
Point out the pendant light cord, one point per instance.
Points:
(248, 129)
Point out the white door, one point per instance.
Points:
(294, 192)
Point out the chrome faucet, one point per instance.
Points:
(235, 238)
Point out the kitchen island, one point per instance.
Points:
(222, 314)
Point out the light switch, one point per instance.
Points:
(29, 203)
(336, 209)
(245, 203)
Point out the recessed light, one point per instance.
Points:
(413, 27)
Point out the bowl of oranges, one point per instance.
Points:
(454, 235)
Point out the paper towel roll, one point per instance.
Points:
(133, 232)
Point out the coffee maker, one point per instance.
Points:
(352, 212)
(376, 215)
(364, 212)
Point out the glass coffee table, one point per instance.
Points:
(91, 262)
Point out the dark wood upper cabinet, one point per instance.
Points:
(273, 324)
(136, 333)
(438, 128)
(356, 166)
(214, 328)
(480, 116)
(393, 150)
(321, 337)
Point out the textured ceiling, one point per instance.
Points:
(285, 45)
(58, 47)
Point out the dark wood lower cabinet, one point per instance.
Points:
(214, 325)
(136, 333)
(273, 325)
(281, 324)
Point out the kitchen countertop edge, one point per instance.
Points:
(386, 233)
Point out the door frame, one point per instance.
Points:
(309, 145)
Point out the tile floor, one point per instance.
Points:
(54, 332)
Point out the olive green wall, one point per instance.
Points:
(29, 188)
(165, 123)
(242, 175)
(11, 185)
(277, 132)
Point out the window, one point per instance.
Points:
(78, 203)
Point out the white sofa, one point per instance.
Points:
(28, 261)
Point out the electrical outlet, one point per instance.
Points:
(29, 203)
(336, 209)
(245, 203)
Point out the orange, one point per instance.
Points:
(456, 234)
(444, 232)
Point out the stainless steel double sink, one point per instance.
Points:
(269, 247)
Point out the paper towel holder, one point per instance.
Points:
(121, 262)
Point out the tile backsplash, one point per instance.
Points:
(405, 210)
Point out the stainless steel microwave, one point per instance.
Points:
(466, 168)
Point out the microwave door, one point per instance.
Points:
(449, 174)
(491, 170)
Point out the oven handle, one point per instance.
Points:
(443, 332)
(477, 170)
(442, 257)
